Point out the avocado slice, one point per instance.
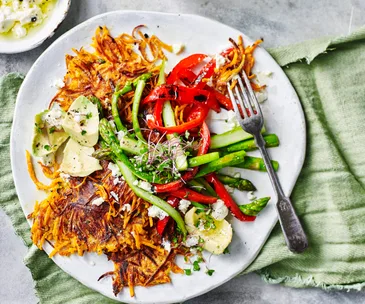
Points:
(82, 122)
(77, 160)
(215, 240)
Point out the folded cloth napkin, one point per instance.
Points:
(329, 196)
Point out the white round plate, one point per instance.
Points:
(38, 35)
(283, 116)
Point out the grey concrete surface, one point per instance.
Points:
(280, 22)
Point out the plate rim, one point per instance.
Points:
(296, 173)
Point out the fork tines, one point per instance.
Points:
(243, 98)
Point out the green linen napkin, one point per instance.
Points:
(329, 196)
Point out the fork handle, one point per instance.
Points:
(294, 234)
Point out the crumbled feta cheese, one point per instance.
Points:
(154, 211)
(251, 196)
(261, 96)
(54, 117)
(19, 31)
(114, 195)
(77, 117)
(166, 245)
(177, 48)
(92, 263)
(98, 201)
(237, 175)
(220, 210)
(126, 207)
(229, 188)
(115, 169)
(135, 182)
(150, 117)
(144, 185)
(120, 135)
(191, 240)
(219, 61)
(201, 225)
(263, 76)
(232, 119)
(58, 83)
(116, 181)
(184, 205)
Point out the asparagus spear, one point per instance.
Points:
(97, 101)
(236, 182)
(228, 160)
(271, 141)
(230, 137)
(149, 197)
(254, 207)
(127, 88)
(202, 159)
(255, 163)
(136, 101)
(109, 137)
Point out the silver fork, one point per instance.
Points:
(252, 122)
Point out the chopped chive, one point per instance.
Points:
(83, 132)
(47, 147)
(52, 130)
(89, 115)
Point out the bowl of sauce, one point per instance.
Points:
(25, 24)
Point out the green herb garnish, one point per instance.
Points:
(83, 132)
(52, 130)
(89, 115)
(196, 266)
(187, 272)
(210, 272)
(47, 147)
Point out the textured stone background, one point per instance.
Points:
(280, 22)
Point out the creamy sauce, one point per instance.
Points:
(21, 18)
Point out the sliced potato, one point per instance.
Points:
(215, 240)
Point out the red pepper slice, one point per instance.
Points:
(223, 100)
(187, 76)
(185, 193)
(228, 200)
(203, 149)
(201, 114)
(158, 111)
(185, 63)
(181, 94)
(206, 72)
(161, 224)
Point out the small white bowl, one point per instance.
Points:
(36, 38)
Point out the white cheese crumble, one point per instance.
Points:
(232, 119)
(201, 225)
(116, 181)
(184, 205)
(98, 201)
(229, 188)
(127, 207)
(58, 83)
(143, 185)
(220, 210)
(166, 245)
(17, 15)
(237, 175)
(92, 263)
(114, 195)
(150, 117)
(261, 96)
(251, 196)
(154, 211)
(177, 48)
(54, 117)
(219, 61)
(191, 240)
(115, 169)
(77, 117)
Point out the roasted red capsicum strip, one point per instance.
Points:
(206, 72)
(200, 115)
(157, 112)
(185, 193)
(161, 224)
(187, 77)
(189, 175)
(181, 94)
(223, 100)
(185, 63)
(228, 200)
